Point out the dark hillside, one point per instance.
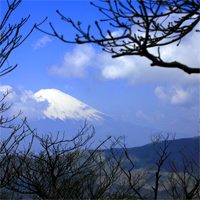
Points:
(145, 156)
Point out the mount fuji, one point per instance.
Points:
(63, 106)
(52, 110)
(65, 113)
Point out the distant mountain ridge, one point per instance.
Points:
(146, 157)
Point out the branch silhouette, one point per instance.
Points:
(140, 25)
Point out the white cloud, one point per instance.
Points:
(160, 93)
(152, 117)
(42, 42)
(187, 52)
(75, 63)
(135, 69)
(180, 96)
(23, 101)
(118, 68)
(116, 33)
(5, 88)
(141, 115)
(177, 95)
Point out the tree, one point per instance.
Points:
(184, 180)
(163, 154)
(166, 178)
(65, 168)
(70, 169)
(13, 131)
(11, 34)
(137, 181)
(132, 181)
(141, 25)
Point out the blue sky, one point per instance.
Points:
(126, 88)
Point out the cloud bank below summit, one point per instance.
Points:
(48, 103)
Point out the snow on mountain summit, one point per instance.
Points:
(63, 106)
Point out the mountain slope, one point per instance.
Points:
(146, 156)
(63, 106)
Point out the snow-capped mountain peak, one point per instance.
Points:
(63, 106)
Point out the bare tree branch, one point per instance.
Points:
(11, 36)
(141, 25)
(13, 132)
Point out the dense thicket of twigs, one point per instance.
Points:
(134, 27)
